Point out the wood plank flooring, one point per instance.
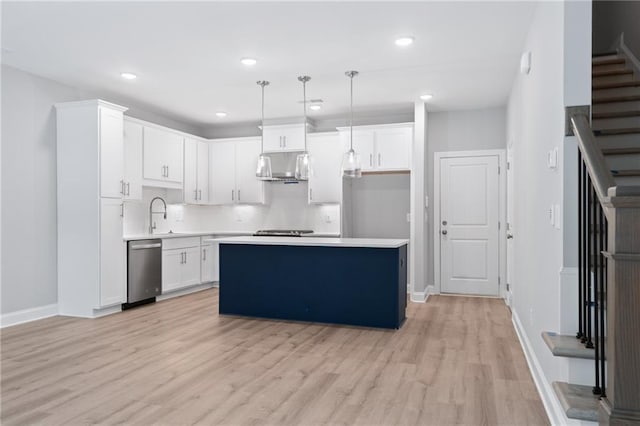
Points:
(456, 361)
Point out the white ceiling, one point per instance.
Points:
(187, 55)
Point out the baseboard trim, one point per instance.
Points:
(185, 291)
(422, 296)
(28, 315)
(549, 400)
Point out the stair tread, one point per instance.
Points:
(616, 85)
(625, 173)
(615, 114)
(607, 53)
(611, 132)
(610, 73)
(566, 346)
(578, 401)
(620, 151)
(615, 99)
(611, 61)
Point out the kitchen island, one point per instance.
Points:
(353, 281)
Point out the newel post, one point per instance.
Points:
(621, 405)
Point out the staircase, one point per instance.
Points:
(609, 253)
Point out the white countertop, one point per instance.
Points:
(201, 234)
(316, 241)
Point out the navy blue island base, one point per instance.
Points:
(359, 286)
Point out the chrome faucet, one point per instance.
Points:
(152, 224)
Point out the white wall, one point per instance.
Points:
(470, 130)
(560, 48)
(379, 206)
(29, 235)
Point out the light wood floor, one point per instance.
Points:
(456, 361)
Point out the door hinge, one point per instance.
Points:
(498, 225)
(508, 287)
(508, 165)
(498, 280)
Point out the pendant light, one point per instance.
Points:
(351, 160)
(303, 161)
(263, 171)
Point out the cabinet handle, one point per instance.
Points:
(204, 254)
(128, 189)
(163, 175)
(280, 145)
(121, 209)
(196, 194)
(185, 257)
(238, 195)
(379, 159)
(370, 160)
(122, 187)
(284, 141)
(200, 194)
(311, 194)
(232, 197)
(167, 171)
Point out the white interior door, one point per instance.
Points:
(469, 216)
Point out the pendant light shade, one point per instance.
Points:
(263, 171)
(303, 161)
(351, 167)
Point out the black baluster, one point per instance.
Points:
(603, 301)
(580, 332)
(591, 250)
(597, 285)
(584, 273)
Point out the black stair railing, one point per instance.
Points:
(592, 274)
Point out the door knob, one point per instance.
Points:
(509, 236)
(444, 232)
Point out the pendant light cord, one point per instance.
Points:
(304, 105)
(262, 83)
(351, 74)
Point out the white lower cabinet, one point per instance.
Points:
(180, 263)
(113, 282)
(210, 268)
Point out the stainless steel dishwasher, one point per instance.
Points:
(144, 272)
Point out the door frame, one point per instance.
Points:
(502, 212)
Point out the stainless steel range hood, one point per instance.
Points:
(283, 166)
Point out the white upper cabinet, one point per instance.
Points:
(196, 171)
(250, 189)
(132, 160)
(325, 182)
(383, 147)
(222, 172)
(232, 172)
(284, 138)
(393, 148)
(162, 154)
(111, 153)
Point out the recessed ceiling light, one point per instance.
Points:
(248, 62)
(426, 96)
(221, 114)
(315, 107)
(404, 41)
(128, 76)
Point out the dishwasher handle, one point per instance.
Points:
(145, 246)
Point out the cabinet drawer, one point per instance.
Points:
(180, 243)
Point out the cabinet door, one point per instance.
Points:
(113, 282)
(325, 182)
(250, 189)
(293, 138)
(172, 262)
(203, 173)
(362, 144)
(111, 153)
(162, 155)
(393, 148)
(222, 169)
(190, 274)
(210, 271)
(190, 171)
(272, 139)
(132, 161)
